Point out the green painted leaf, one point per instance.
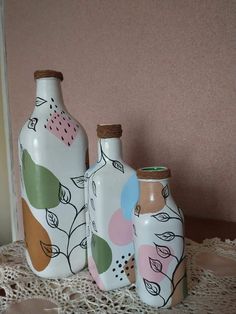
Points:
(101, 252)
(42, 187)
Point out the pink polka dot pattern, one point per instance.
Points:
(63, 127)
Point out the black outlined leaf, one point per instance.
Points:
(155, 265)
(83, 243)
(166, 236)
(92, 203)
(94, 226)
(40, 101)
(79, 181)
(32, 123)
(152, 287)
(137, 210)
(52, 219)
(165, 191)
(50, 250)
(64, 194)
(163, 251)
(162, 217)
(94, 188)
(118, 165)
(134, 229)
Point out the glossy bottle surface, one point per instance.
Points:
(52, 154)
(159, 241)
(111, 195)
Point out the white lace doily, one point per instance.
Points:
(211, 285)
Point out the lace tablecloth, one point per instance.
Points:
(211, 270)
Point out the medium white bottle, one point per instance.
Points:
(111, 193)
(52, 153)
(159, 241)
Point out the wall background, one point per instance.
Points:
(165, 70)
(5, 221)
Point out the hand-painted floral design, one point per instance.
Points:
(48, 195)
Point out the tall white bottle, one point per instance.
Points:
(111, 195)
(52, 153)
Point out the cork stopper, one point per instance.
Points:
(109, 130)
(157, 173)
(47, 73)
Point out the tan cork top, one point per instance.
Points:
(109, 130)
(47, 73)
(158, 173)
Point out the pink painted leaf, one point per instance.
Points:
(155, 265)
(163, 251)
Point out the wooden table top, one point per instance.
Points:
(198, 229)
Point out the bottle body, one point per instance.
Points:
(112, 192)
(52, 154)
(159, 245)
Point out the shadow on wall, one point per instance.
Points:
(194, 199)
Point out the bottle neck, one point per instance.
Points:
(153, 194)
(109, 149)
(49, 94)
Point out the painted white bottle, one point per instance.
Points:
(159, 241)
(112, 193)
(52, 153)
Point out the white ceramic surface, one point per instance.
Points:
(111, 195)
(52, 154)
(159, 245)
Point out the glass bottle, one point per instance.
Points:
(111, 195)
(52, 153)
(159, 241)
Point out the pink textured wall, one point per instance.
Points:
(165, 70)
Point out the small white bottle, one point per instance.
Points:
(159, 241)
(111, 194)
(52, 153)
